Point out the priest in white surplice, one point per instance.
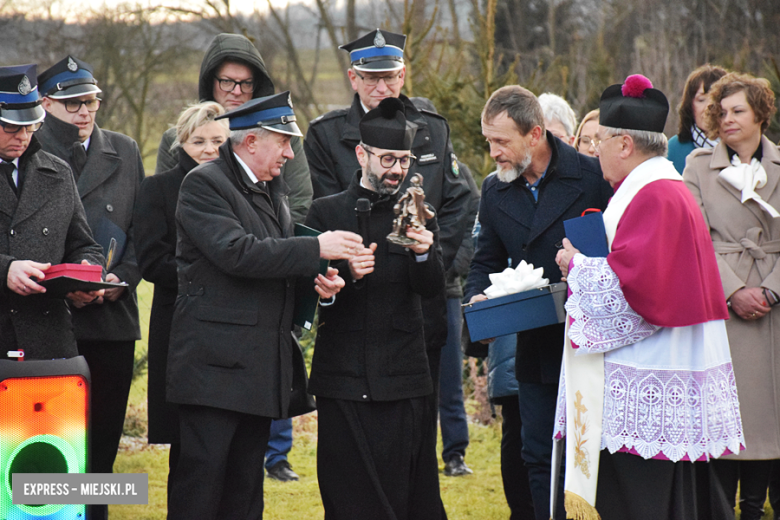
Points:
(647, 386)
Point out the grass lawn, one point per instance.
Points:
(477, 496)
(474, 497)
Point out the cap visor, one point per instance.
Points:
(288, 129)
(75, 91)
(25, 116)
(380, 66)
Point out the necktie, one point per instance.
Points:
(8, 172)
(79, 158)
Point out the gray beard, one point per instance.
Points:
(378, 185)
(516, 171)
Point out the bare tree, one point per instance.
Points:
(131, 55)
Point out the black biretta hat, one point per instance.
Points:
(19, 100)
(634, 105)
(386, 126)
(274, 113)
(377, 51)
(68, 78)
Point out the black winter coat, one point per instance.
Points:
(45, 224)
(330, 149)
(154, 221)
(370, 342)
(231, 346)
(516, 227)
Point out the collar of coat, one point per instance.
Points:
(721, 158)
(563, 164)
(277, 188)
(186, 162)
(102, 158)
(61, 134)
(351, 131)
(770, 160)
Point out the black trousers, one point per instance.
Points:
(376, 460)
(219, 474)
(753, 478)
(774, 489)
(111, 368)
(632, 488)
(513, 471)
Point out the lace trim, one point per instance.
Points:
(560, 408)
(603, 319)
(678, 414)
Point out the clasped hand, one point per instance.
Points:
(749, 303)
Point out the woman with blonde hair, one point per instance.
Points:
(736, 184)
(585, 133)
(198, 138)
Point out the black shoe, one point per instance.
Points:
(456, 467)
(282, 471)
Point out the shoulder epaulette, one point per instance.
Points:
(432, 114)
(329, 115)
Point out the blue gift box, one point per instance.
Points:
(516, 312)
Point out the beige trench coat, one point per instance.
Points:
(747, 242)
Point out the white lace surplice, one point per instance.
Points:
(669, 393)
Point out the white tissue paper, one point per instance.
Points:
(523, 278)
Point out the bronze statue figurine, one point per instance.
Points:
(410, 211)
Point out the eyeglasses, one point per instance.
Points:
(584, 140)
(388, 160)
(10, 128)
(373, 81)
(74, 105)
(595, 143)
(227, 85)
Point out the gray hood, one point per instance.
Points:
(238, 48)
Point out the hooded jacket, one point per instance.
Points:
(236, 47)
(232, 47)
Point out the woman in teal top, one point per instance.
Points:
(691, 110)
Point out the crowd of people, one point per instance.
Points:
(657, 397)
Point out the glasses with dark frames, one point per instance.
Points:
(10, 128)
(227, 85)
(388, 160)
(74, 105)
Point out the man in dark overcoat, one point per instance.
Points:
(539, 183)
(108, 171)
(230, 361)
(233, 72)
(42, 223)
(376, 456)
(377, 72)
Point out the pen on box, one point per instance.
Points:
(110, 256)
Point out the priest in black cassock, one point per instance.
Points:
(375, 455)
